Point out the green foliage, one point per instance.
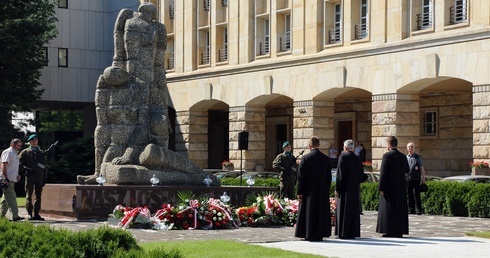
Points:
(27, 240)
(479, 202)
(50, 121)
(433, 200)
(370, 196)
(76, 158)
(442, 198)
(267, 182)
(25, 26)
(221, 248)
(185, 196)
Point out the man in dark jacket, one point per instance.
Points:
(393, 210)
(33, 163)
(350, 174)
(415, 177)
(314, 180)
(286, 164)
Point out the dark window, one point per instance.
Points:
(46, 61)
(63, 57)
(63, 4)
(430, 123)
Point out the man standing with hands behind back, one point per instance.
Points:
(416, 175)
(33, 162)
(314, 180)
(393, 211)
(10, 173)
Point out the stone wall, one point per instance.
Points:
(450, 150)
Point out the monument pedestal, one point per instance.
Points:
(93, 202)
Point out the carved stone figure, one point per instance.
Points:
(131, 99)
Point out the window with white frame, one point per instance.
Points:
(362, 27)
(430, 123)
(458, 12)
(206, 49)
(285, 41)
(336, 32)
(223, 52)
(424, 19)
(265, 45)
(63, 57)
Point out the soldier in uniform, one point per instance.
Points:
(286, 164)
(33, 163)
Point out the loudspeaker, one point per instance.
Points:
(243, 140)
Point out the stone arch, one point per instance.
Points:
(203, 133)
(442, 110)
(350, 116)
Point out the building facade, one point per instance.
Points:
(76, 58)
(361, 69)
(288, 69)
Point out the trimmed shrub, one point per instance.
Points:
(479, 201)
(22, 239)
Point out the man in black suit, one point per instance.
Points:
(362, 153)
(393, 208)
(314, 180)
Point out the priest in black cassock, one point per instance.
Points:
(393, 208)
(314, 180)
(350, 174)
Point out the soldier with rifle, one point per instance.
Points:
(33, 163)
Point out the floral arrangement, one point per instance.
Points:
(333, 210)
(479, 164)
(209, 213)
(227, 163)
(190, 213)
(368, 166)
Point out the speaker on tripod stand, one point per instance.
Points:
(242, 145)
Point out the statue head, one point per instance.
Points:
(148, 11)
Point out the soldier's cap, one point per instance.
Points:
(285, 144)
(32, 137)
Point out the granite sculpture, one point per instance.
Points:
(132, 133)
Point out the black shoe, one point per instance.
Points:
(37, 217)
(411, 212)
(345, 237)
(314, 239)
(393, 235)
(18, 219)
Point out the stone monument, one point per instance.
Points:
(131, 99)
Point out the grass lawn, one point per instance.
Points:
(21, 201)
(221, 248)
(479, 234)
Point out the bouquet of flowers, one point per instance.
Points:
(368, 166)
(246, 215)
(290, 212)
(135, 217)
(227, 163)
(479, 164)
(333, 209)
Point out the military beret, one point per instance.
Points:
(286, 143)
(32, 137)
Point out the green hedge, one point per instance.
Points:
(23, 239)
(443, 198)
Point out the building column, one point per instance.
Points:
(481, 123)
(191, 136)
(251, 120)
(313, 118)
(394, 115)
